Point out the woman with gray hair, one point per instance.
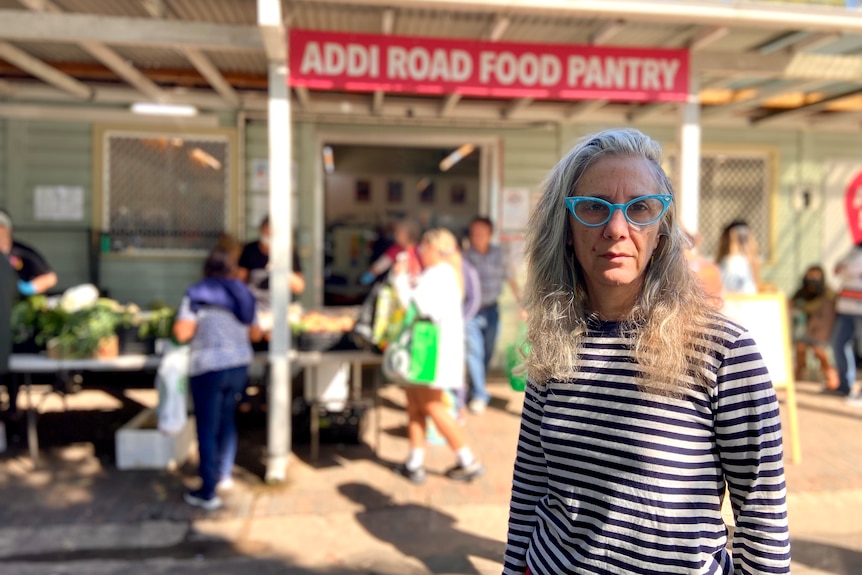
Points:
(643, 405)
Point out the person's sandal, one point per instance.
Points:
(466, 473)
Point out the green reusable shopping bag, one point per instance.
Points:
(412, 356)
(423, 352)
(515, 353)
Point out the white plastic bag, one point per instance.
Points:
(172, 382)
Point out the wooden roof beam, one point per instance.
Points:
(212, 74)
(121, 67)
(498, 27)
(49, 27)
(646, 110)
(705, 36)
(377, 103)
(814, 41)
(516, 106)
(604, 33)
(156, 8)
(449, 104)
(583, 108)
(782, 41)
(44, 72)
(41, 6)
(804, 110)
(762, 95)
(303, 96)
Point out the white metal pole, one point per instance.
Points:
(689, 159)
(274, 35)
(280, 193)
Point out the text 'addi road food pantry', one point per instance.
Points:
(330, 61)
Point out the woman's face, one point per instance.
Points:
(615, 255)
(428, 254)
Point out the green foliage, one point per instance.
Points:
(76, 333)
(157, 323)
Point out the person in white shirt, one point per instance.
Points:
(438, 295)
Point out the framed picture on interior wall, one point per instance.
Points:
(425, 187)
(363, 191)
(458, 194)
(395, 192)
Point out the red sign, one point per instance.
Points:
(364, 63)
(853, 207)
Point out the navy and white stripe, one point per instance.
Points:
(611, 479)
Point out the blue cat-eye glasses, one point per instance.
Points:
(642, 211)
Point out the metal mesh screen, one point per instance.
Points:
(733, 186)
(165, 193)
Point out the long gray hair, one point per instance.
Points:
(671, 311)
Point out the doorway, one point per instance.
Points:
(369, 187)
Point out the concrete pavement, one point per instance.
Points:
(348, 513)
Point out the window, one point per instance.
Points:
(164, 192)
(733, 186)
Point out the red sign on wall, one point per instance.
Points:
(364, 63)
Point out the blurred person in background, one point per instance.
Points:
(813, 305)
(739, 259)
(438, 295)
(35, 276)
(483, 328)
(254, 267)
(643, 405)
(32, 276)
(706, 271)
(217, 318)
(848, 321)
(406, 235)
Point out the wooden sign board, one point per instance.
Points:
(765, 316)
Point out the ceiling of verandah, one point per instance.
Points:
(800, 67)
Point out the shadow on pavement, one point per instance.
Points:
(826, 557)
(433, 537)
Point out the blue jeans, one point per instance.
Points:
(481, 337)
(215, 395)
(846, 328)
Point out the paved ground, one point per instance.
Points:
(347, 513)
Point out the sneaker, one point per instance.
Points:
(477, 406)
(197, 499)
(225, 484)
(855, 400)
(417, 475)
(466, 473)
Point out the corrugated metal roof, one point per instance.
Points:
(56, 52)
(218, 11)
(246, 62)
(147, 57)
(103, 7)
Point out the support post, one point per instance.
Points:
(274, 35)
(688, 194)
(281, 224)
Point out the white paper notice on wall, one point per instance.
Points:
(514, 209)
(259, 175)
(58, 203)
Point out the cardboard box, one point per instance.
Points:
(140, 445)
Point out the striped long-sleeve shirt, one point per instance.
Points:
(612, 479)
